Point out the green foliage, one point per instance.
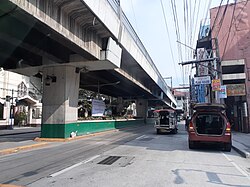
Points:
(20, 117)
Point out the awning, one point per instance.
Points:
(27, 99)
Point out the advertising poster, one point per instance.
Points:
(223, 92)
(216, 85)
(98, 107)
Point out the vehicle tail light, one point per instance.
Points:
(228, 128)
(191, 127)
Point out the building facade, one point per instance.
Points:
(19, 95)
(230, 26)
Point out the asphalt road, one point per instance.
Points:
(132, 157)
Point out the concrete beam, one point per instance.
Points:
(60, 21)
(28, 47)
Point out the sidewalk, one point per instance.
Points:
(241, 143)
(19, 130)
(20, 138)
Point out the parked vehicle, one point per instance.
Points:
(209, 124)
(166, 121)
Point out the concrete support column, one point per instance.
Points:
(60, 100)
(29, 120)
(141, 108)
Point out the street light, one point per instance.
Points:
(170, 79)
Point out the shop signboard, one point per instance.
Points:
(202, 80)
(202, 67)
(236, 89)
(223, 92)
(216, 85)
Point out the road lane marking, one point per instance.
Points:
(73, 166)
(237, 167)
(140, 137)
(90, 159)
(66, 169)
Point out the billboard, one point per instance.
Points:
(98, 107)
(236, 89)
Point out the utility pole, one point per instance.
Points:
(11, 109)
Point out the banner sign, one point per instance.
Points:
(202, 66)
(223, 92)
(236, 89)
(98, 107)
(216, 85)
(202, 80)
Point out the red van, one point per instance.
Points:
(209, 125)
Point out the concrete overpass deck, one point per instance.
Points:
(78, 43)
(41, 33)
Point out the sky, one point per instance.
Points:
(158, 34)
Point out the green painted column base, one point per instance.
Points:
(85, 127)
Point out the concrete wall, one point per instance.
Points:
(85, 127)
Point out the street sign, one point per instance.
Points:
(202, 80)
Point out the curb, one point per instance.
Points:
(21, 148)
(242, 152)
(71, 139)
(37, 139)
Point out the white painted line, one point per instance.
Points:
(140, 137)
(66, 169)
(73, 166)
(237, 167)
(90, 159)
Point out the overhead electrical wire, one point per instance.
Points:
(222, 19)
(235, 19)
(192, 22)
(230, 27)
(241, 11)
(175, 16)
(193, 34)
(196, 22)
(177, 31)
(171, 50)
(205, 15)
(134, 15)
(216, 17)
(188, 35)
(185, 35)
